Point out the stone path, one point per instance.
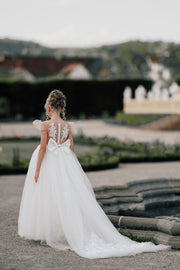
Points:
(97, 128)
(130, 172)
(17, 253)
(100, 128)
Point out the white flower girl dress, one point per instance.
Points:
(61, 208)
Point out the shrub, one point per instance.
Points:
(90, 97)
(98, 162)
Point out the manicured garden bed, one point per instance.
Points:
(99, 153)
(130, 151)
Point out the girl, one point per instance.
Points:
(58, 203)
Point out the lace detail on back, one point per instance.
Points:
(52, 131)
(65, 132)
(57, 134)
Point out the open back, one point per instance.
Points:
(57, 131)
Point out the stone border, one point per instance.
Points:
(161, 231)
(136, 197)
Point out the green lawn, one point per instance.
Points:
(94, 153)
(133, 119)
(26, 149)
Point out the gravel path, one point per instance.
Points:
(130, 172)
(17, 254)
(97, 128)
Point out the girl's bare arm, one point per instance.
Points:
(42, 151)
(71, 139)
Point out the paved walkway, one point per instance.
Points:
(130, 172)
(16, 253)
(97, 128)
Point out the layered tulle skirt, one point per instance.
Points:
(61, 209)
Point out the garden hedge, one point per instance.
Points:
(91, 97)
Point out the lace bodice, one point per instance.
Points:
(55, 130)
(59, 133)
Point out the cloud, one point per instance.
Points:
(84, 23)
(103, 34)
(70, 35)
(62, 37)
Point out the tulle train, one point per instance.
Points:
(61, 209)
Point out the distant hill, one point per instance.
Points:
(118, 60)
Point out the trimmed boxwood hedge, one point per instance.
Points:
(91, 97)
(135, 151)
(93, 165)
(12, 170)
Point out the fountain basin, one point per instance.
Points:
(139, 198)
(142, 209)
(159, 231)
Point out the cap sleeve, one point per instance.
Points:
(39, 125)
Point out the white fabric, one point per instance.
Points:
(37, 124)
(52, 131)
(61, 209)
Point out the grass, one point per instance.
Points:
(98, 162)
(26, 148)
(16, 153)
(94, 153)
(88, 163)
(121, 118)
(137, 238)
(130, 151)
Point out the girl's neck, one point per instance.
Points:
(55, 116)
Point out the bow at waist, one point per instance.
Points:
(53, 146)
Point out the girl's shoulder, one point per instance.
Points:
(45, 125)
(40, 125)
(49, 123)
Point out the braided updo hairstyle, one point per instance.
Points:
(57, 100)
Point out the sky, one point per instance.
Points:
(86, 23)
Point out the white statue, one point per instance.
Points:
(164, 94)
(127, 93)
(156, 91)
(173, 88)
(140, 93)
(150, 95)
